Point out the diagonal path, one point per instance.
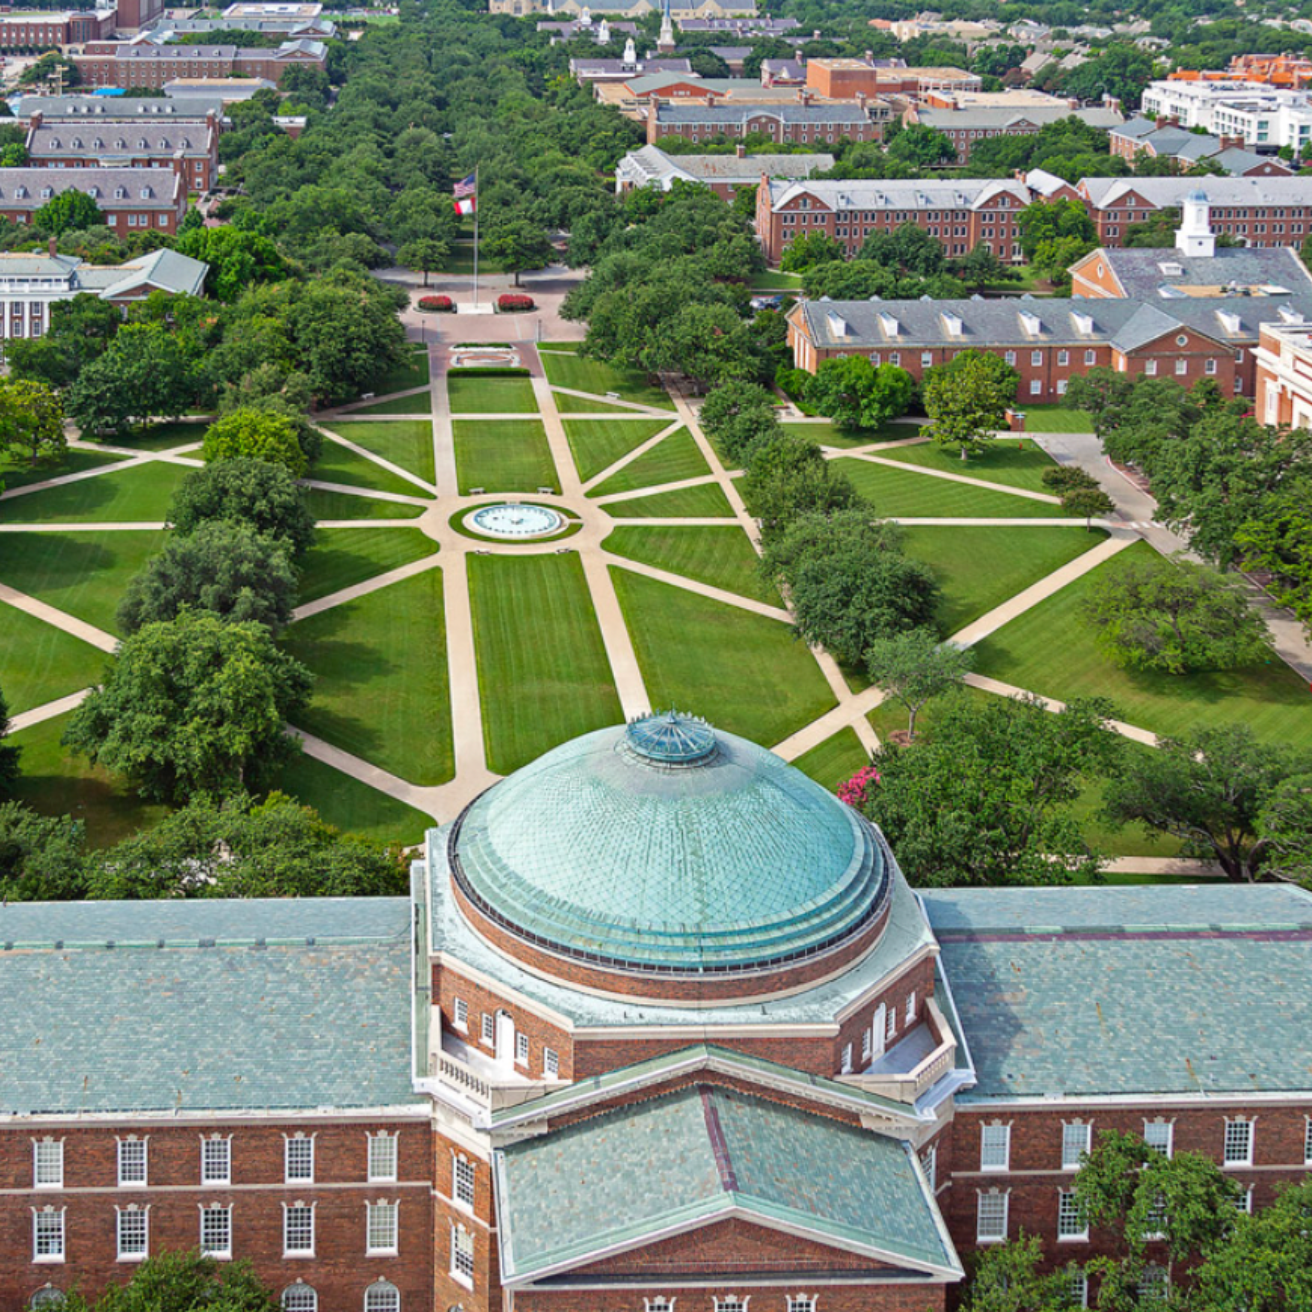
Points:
(944, 474)
(701, 589)
(985, 684)
(39, 714)
(60, 619)
(380, 461)
(343, 595)
(630, 456)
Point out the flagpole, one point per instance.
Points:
(476, 209)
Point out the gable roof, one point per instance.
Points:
(1142, 273)
(688, 1158)
(1162, 192)
(148, 188)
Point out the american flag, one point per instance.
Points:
(465, 187)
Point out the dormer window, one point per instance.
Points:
(141, 143)
(93, 192)
(148, 193)
(120, 144)
(120, 193)
(20, 193)
(47, 192)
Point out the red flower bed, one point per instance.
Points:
(514, 303)
(436, 304)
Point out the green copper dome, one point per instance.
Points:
(666, 845)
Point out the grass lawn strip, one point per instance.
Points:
(1010, 462)
(416, 403)
(40, 663)
(722, 557)
(911, 495)
(825, 433)
(503, 455)
(539, 646)
(162, 437)
(582, 375)
(671, 460)
(596, 444)
(84, 574)
(350, 805)
(339, 464)
(140, 494)
(406, 443)
(77, 460)
(704, 502)
(1050, 651)
(478, 393)
(581, 405)
(412, 373)
(980, 567)
(835, 760)
(743, 672)
(1057, 419)
(343, 557)
(382, 691)
(342, 505)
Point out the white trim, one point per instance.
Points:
(225, 1116)
(1153, 1102)
(372, 1138)
(123, 1140)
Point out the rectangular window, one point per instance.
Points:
(297, 1231)
(1074, 1141)
(1239, 1143)
(1078, 1289)
(133, 1234)
(463, 1181)
(1063, 357)
(994, 1147)
(462, 1014)
(299, 1159)
(1150, 368)
(1036, 387)
(801, 1303)
(551, 1062)
(521, 1049)
(131, 1162)
(1061, 387)
(1089, 358)
(1244, 1201)
(48, 1164)
(1070, 1225)
(1036, 358)
(1307, 1141)
(216, 1161)
(48, 1235)
(890, 1025)
(462, 1254)
(1182, 367)
(895, 357)
(991, 1218)
(1209, 367)
(926, 359)
(1010, 357)
(911, 1008)
(382, 1156)
(847, 1059)
(1154, 1285)
(489, 1029)
(382, 1228)
(216, 1231)
(867, 1045)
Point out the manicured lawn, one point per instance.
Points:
(339, 464)
(137, 495)
(57, 781)
(480, 393)
(704, 502)
(503, 455)
(543, 674)
(979, 568)
(722, 557)
(416, 403)
(825, 433)
(1050, 651)
(672, 459)
(905, 493)
(461, 260)
(352, 806)
(39, 662)
(18, 473)
(382, 690)
(163, 437)
(835, 760)
(583, 405)
(596, 444)
(343, 557)
(743, 672)
(84, 574)
(582, 375)
(342, 505)
(1056, 419)
(412, 373)
(774, 281)
(407, 443)
(1012, 462)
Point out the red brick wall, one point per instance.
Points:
(340, 1271)
(919, 980)
(873, 1297)
(480, 1223)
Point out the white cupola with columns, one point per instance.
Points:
(630, 52)
(1194, 236)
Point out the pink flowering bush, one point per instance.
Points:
(436, 304)
(514, 303)
(856, 791)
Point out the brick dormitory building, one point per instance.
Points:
(625, 1048)
(131, 199)
(119, 64)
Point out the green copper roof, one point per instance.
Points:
(667, 845)
(704, 1153)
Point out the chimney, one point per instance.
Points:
(37, 116)
(53, 247)
(740, 151)
(804, 97)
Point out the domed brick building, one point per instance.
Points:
(662, 1026)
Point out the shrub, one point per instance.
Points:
(791, 382)
(1066, 478)
(514, 303)
(258, 435)
(436, 304)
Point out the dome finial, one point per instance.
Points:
(670, 738)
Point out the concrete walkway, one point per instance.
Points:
(944, 474)
(60, 619)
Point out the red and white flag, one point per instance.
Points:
(464, 193)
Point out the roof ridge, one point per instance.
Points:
(719, 1144)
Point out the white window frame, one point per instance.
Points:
(298, 1207)
(1307, 1141)
(212, 1212)
(128, 1165)
(488, 1030)
(997, 1213)
(136, 1214)
(1071, 1228)
(1232, 1124)
(383, 1157)
(846, 1064)
(521, 1048)
(890, 1024)
(382, 1236)
(1036, 359)
(867, 1042)
(995, 1147)
(461, 1010)
(1150, 368)
(659, 1304)
(1076, 1138)
(1078, 1289)
(54, 1239)
(47, 1163)
(1169, 1127)
(307, 1298)
(462, 1256)
(379, 1291)
(551, 1063)
(304, 1144)
(1155, 1283)
(732, 1303)
(929, 1166)
(1244, 1202)
(463, 1181)
(216, 1159)
(911, 1008)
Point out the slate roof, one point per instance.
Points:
(1001, 118)
(205, 1005)
(901, 194)
(116, 107)
(836, 113)
(1086, 992)
(1142, 273)
(125, 139)
(148, 188)
(697, 1155)
(1162, 192)
(163, 269)
(650, 164)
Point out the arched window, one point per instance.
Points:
(300, 1297)
(382, 1297)
(48, 1297)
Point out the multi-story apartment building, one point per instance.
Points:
(37, 31)
(1260, 117)
(845, 78)
(1284, 375)
(623, 1049)
(102, 109)
(968, 124)
(131, 200)
(724, 174)
(121, 65)
(1143, 137)
(797, 124)
(192, 145)
(962, 214)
